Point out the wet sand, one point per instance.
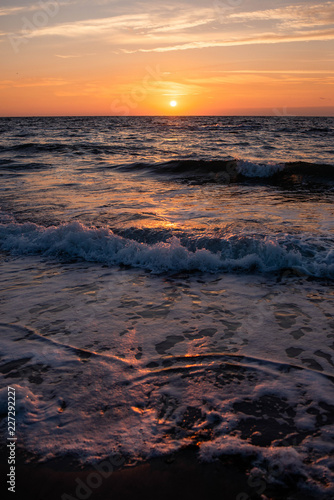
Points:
(142, 363)
(180, 474)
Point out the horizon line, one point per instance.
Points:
(172, 116)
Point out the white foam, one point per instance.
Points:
(311, 255)
(250, 169)
(109, 401)
(27, 404)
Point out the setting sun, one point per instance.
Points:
(173, 104)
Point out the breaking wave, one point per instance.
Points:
(305, 254)
(233, 170)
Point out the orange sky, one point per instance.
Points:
(113, 57)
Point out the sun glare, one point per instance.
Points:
(173, 104)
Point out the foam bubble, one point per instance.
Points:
(250, 169)
(242, 252)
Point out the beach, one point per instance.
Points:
(167, 305)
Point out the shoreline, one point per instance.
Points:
(162, 477)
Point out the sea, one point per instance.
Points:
(167, 282)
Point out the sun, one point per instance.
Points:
(173, 104)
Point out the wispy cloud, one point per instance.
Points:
(135, 24)
(292, 16)
(10, 11)
(170, 29)
(260, 39)
(166, 27)
(263, 77)
(14, 10)
(7, 11)
(68, 56)
(33, 82)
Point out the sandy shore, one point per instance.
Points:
(180, 475)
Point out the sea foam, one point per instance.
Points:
(312, 256)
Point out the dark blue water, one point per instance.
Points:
(168, 282)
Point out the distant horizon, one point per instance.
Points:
(172, 116)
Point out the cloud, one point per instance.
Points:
(10, 11)
(143, 23)
(264, 77)
(259, 39)
(7, 11)
(67, 56)
(176, 27)
(33, 82)
(292, 16)
(160, 87)
(13, 10)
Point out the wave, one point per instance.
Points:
(61, 147)
(325, 130)
(305, 255)
(216, 169)
(234, 171)
(14, 165)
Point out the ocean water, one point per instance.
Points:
(168, 281)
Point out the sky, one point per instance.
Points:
(219, 57)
